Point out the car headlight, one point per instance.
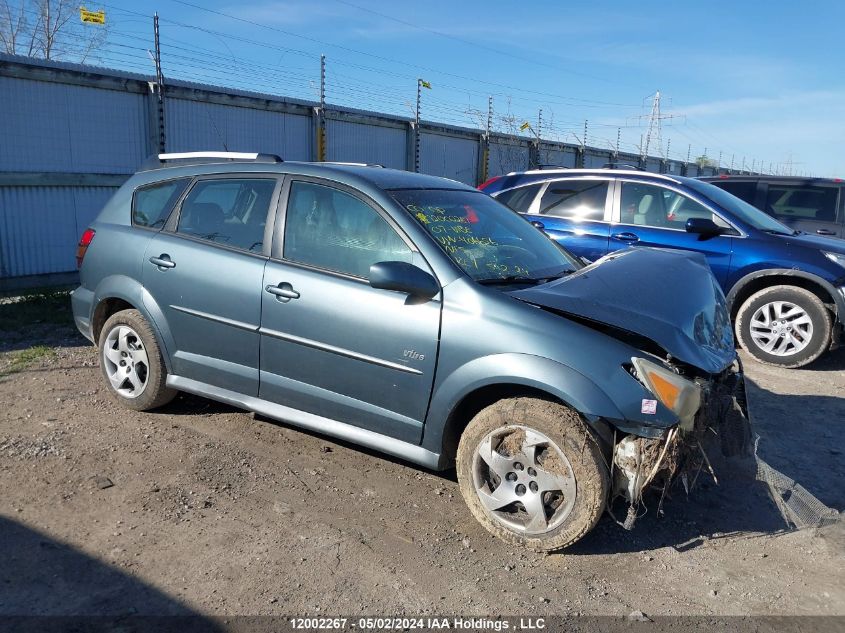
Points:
(679, 395)
(836, 258)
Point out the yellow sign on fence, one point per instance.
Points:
(92, 17)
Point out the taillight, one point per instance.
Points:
(82, 247)
(487, 182)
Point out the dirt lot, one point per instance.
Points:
(203, 508)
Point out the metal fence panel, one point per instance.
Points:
(348, 141)
(507, 156)
(63, 128)
(40, 226)
(194, 126)
(449, 156)
(594, 159)
(558, 156)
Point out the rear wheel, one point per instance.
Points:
(131, 362)
(531, 473)
(784, 325)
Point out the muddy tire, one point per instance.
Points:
(131, 362)
(532, 474)
(784, 325)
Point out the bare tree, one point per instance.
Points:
(51, 29)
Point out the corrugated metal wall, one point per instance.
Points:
(40, 227)
(361, 143)
(88, 127)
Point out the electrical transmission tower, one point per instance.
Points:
(654, 134)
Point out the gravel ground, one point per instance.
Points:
(204, 508)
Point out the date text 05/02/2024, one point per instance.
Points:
(427, 623)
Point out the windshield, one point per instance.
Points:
(486, 239)
(740, 208)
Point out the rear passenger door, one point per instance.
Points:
(576, 213)
(810, 207)
(331, 345)
(203, 276)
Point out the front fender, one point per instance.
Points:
(131, 291)
(556, 379)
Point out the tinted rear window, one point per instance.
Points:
(742, 190)
(798, 202)
(152, 204)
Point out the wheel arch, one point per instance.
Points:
(761, 279)
(457, 409)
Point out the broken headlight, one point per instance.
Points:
(679, 395)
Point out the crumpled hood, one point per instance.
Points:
(665, 295)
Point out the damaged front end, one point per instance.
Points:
(712, 410)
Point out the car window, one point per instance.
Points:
(152, 204)
(487, 240)
(658, 207)
(743, 190)
(520, 198)
(797, 202)
(331, 229)
(575, 199)
(229, 211)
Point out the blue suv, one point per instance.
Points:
(785, 289)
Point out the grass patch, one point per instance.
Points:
(44, 306)
(17, 361)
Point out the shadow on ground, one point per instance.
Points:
(46, 585)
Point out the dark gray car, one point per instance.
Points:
(420, 317)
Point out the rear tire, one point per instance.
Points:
(786, 326)
(131, 362)
(532, 474)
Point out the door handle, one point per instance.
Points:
(825, 232)
(163, 261)
(284, 292)
(626, 237)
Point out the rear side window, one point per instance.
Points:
(228, 211)
(520, 198)
(152, 204)
(575, 199)
(330, 229)
(743, 190)
(796, 202)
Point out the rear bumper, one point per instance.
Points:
(81, 301)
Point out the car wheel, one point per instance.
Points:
(131, 362)
(784, 325)
(531, 473)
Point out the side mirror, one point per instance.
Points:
(403, 277)
(703, 226)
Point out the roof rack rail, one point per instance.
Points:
(157, 160)
(622, 166)
(551, 166)
(339, 162)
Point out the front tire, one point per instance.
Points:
(784, 325)
(131, 362)
(532, 474)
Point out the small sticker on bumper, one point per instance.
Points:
(649, 407)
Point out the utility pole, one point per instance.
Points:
(719, 165)
(580, 160)
(618, 142)
(484, 163)
(732, 163)
(159, 88)
(321, 113)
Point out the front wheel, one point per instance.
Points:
(531, 473)
(784, 325)
(131, 362)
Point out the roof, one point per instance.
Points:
(770, 178)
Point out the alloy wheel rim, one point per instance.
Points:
(781, 328)
(126, 362)
(523, 480)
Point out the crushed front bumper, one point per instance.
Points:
(681, 453)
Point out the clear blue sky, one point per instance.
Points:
(756, 80)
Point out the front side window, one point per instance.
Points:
(520, 198)
(657, 207)
(152, 204)
(228, 211)
(331, 229)
(798, 202)
(487, 240)
(575, 199)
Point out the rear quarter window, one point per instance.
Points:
(520, 198)
(152, 204)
